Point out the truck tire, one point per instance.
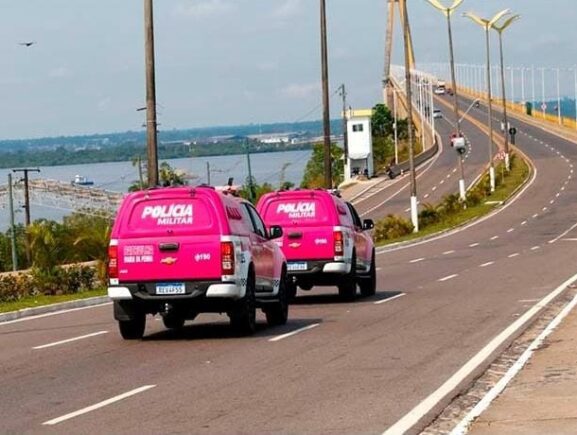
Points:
(277, 313)
(243, 315)
(368, 284)
(348, 284)
(132, 329)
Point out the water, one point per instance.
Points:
(118, 176)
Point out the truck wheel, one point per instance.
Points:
(243, 316)
(172, 321)
(132, 329)
(368, 284)
(277, 313)
(348, 285)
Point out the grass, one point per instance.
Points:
(505, 188)
(37, 301)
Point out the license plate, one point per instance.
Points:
(299, 265)
(173, 288)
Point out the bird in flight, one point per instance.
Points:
(27, 44)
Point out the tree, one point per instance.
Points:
(314, 171)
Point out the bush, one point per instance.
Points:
(14, 287)
(451, 204)
(392, 227)
(60, 281)
(429, 215)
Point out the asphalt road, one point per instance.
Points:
(363, 366)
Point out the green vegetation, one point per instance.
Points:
(451, 212)
(314, 171)
(39, 300)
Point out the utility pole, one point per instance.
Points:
(251, 191)
(27, 206)
(140, 177)
(406, 36)
(325, 88)
(12, 226)
(343, 94)
(208, 173)
(151, 124)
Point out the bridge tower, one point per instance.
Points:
(392, 4)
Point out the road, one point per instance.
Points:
(362, 368)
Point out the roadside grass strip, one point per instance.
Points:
(70, 340)
(425, 406)
(98, 405)
(40, 300)
(295, 332)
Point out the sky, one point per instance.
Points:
(231, 62)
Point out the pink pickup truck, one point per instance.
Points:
(324, 241)
(182, 251)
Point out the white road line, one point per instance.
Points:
(97, 405)
(552, 201)
(290, 334)
(426, 196)
(562, 187)
(563, 234)
(524, 223)
(516, 254)
(446, 278)
(378, 268)
(448, 175)
(570, 239)
(510, 230)
(454, 170)
(434, 188)
(494, 238)
(527, 300)
(55, 313)
(441, 182)
(557, 195)
(488, 263)
(472, 245)
(534, 248)
(416, 260)
(535, 215)
(544, 208)
(513, 371)
(407, 210)
(382, 301)
(448, 252)
(425, 406)
(56, 343)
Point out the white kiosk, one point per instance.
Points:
(360, 143)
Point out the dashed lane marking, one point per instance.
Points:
(524, 223)
(416, 260)
(535, 215)
(534, 248)
(290, 334)
(488, 263)
(515, 254)
(446, 278)
(494, 238)
(98, 405)
(69, 340)
(472, 245)
(448, 252)
(510, 230)
(382, 301)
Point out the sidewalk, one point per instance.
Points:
(542, 398)
(355, 188)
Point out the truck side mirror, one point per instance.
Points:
(368, 224)
(275, 232)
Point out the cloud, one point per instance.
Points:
(60, 72)
(104, 104)
(288, 9)
(203, 8)
(300, 90)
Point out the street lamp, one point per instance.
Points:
(448, 11)
(486, 25)
(500, 29)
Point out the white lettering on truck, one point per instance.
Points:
(173, 214)
(297, 210)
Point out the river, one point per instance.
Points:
(118, 176)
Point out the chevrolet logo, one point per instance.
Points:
(294, 245)
(169, 260)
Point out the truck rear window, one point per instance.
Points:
(189, 214)
(286, 212)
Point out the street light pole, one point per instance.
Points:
(414, 209)
(325, 88)
(448, 11)
(151, 125)
(486, 25)
(500, 29)
(12, 226)
(25, 171)
(343, 93)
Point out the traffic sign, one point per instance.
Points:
(512, 131)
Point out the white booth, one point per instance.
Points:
(360, 144)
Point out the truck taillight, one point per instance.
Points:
(227, 258)
(113, 262)
(338, 240)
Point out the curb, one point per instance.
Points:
(44, 309)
